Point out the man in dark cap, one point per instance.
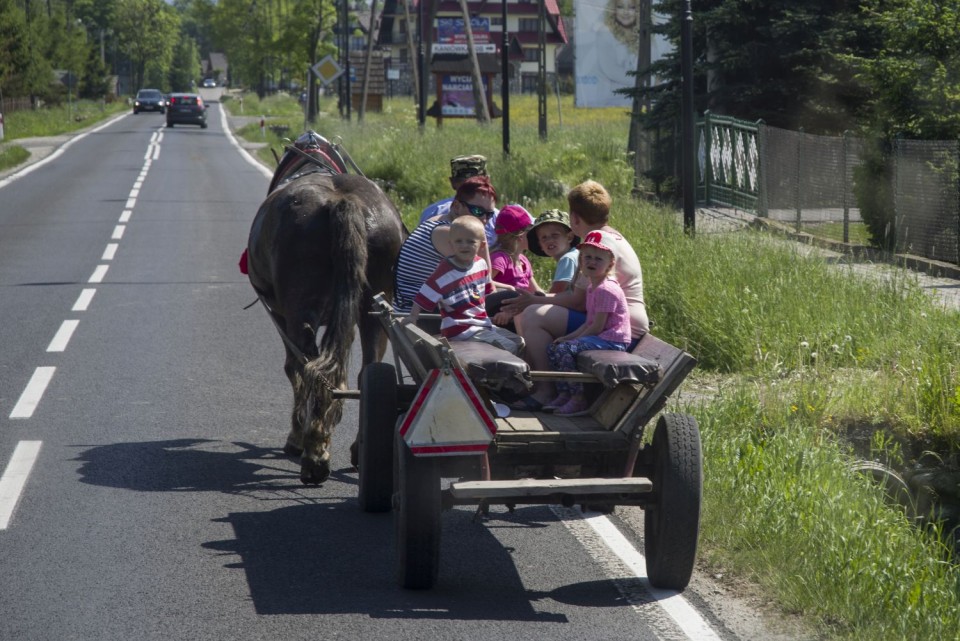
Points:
(461, 168)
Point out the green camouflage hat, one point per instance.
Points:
(549, 216)
(463, 167)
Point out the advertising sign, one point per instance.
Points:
(457, 95)
(451, 31)
(607, 44)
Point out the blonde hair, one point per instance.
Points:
(507, 243)
(591, 202)
(469, 224)
(629, 35)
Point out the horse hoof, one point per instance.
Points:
(354, 454)
(314, 472)
(292, 450)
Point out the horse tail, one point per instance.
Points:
(348, 234)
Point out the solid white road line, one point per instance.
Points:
(679, 609)
(110, 251)
(243, 152)
(63, 335)
(15, 478)
(33, 392)
(98, 274)
(56, 154)
(83, 301)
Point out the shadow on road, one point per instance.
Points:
(323, 555)
(185, 465)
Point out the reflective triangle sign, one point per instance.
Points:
(447, 417)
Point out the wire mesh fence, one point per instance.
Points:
(807, 182)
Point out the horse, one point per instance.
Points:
(320, 246)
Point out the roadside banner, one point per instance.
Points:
(606, 47)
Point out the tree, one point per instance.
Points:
(146, 31)
(778, 60)
(185, 68)
(914, 78)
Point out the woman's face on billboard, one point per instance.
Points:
(625, 12)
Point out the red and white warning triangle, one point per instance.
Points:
(447, 417)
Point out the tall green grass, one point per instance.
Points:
(803, 348)
(61, 119)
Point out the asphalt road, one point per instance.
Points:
(144, 493)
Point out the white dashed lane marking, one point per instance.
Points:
(32, 394)
(62, 337)
(14, 478)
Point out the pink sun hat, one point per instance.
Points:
(513, 219)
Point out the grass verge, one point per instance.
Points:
(809, 348)
(12, 155)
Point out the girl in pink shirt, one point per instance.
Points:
(607, 325)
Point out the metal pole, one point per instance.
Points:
(421, 65)
(687, 117)
(505, 80)
(542, 69)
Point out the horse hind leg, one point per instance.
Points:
(324, 413)
(294, 369)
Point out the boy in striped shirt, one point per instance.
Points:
(459, 287)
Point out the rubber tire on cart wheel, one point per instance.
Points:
(417, 519)
(671, 523)
(378, 419)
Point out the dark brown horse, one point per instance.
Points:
(322, 243)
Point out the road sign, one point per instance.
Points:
(327, 70)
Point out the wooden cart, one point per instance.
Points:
(444, 425)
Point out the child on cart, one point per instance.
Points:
(509, 267)
(552, 236)
(607, 326)
(459, 287)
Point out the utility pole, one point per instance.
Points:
(368, 62)
(687, 119)
(505, 80)
(542, 70)
(479, 95)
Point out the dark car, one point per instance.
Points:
(186, 109)
(149, 100)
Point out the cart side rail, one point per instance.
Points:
(675, 365)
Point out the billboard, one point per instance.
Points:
(457, 95)
(452, 37)
(606, 47)
(451, 31)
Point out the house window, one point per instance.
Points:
(528, 24)
(496, 22)
(530, 55)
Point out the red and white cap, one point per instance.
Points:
(595, 239)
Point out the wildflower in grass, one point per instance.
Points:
(835, 348)
(804, 344)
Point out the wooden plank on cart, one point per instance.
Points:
(546, 487)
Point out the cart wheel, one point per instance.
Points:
(671, 523)
(378, 417)
(417, 519)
